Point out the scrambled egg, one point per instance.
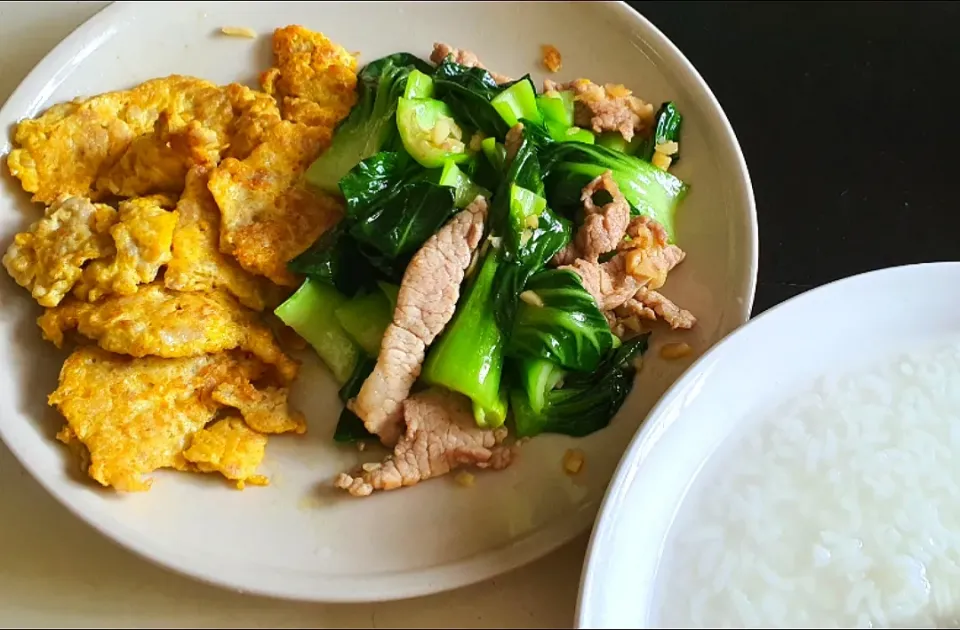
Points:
(264, 410)
(197, 263)
(269, 217)
(230, 448)
(172, 209)
(314, 79)
(142, 238)
(156, 321)
(48, 258)
(63, 150)
(137, 415)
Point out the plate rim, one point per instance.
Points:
(27, 97)
(643, 440)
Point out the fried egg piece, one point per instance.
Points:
(48, 259)
(313, 79)
(142, 239)
(268, 216)
(156, 321)
(231, 448)
(197, 264)
(135, 416)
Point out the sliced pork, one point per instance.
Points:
(441, 435)
(426, 303)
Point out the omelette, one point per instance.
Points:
(156, 321)
(91, 248)
(170, 211)
(268, 215)
(135, 416)
(197, 264)
(314, 79)
(231, 448)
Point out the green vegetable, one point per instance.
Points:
(495, 153)
(392, 291)
(370, 126)
(569, 166)
(468, 356)
(311, 312)
(521, 187)
(564, 324)
(561, 133)
(586, 403)
(614, 140)
(465, 188)
(429, 133)
(526, 249)
(335, 259)
(469, 92)
(666, 130)
(519, 101)
(393, 208)
(365, 318)
(539, 377)
(419, 85)
(350, 427)
(557, 107)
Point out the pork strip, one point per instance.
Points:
(441, 435)
(426, 302)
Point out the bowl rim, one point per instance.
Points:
(32, 93)
(644, 441)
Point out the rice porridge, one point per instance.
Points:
(841, 508)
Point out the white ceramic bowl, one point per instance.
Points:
(290, 540)
(842, 326)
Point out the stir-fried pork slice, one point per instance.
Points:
(665, 308)
(609, 107)
(463, 57)
(608, 283)
(441, 435)
(426, 302)
(603, 227)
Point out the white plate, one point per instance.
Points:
(842, 326)
(291, 540)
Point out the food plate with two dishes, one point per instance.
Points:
(350, 302)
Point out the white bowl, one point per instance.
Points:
(285, 540)
(842, 326)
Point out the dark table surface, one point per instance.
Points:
(844, 114)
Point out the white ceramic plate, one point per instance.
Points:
(291, 539)
(846, 325)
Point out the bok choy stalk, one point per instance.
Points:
(311, 312)
(370, 127)
(584, 404)
(468, 356)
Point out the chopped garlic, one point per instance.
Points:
(675, 350)
(531, 298)
(573, 461)
(661, 160)
(465, 479)
(668, 148)
(239, 31)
